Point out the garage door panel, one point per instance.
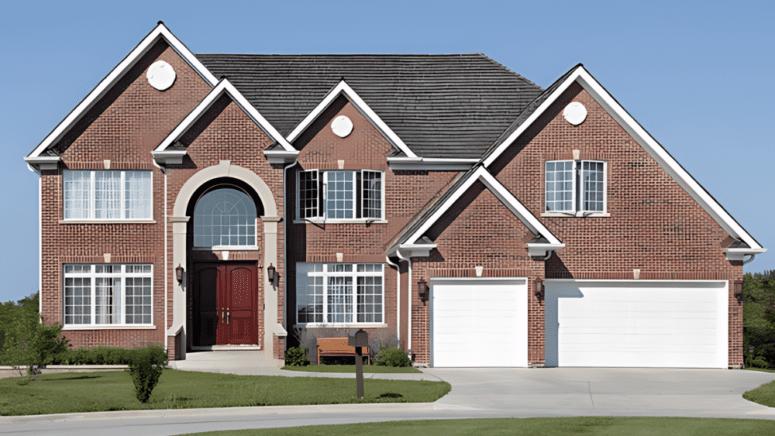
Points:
(637, 324)
(469, 318)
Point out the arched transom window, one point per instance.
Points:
(225, 217)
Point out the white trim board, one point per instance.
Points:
(160, 31)
(503, 194)
(344, 89)
(224, 86)
(649, 144)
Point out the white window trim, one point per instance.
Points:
(577, 166)
(323, 184)
(92, 274)
(92, 202)
(354, 274)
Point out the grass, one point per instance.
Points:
(764, 394)
(760, 369)
(105, 391)
(587, 426)
(367, 369)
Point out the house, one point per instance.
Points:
(220, 201)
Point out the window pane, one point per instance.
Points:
(77, 185)
(78, 301)
(138, 300)
(222, 216)
(369, 299)
(308, 194)
(559, 186)
(372, 194)
(340, 299)
(107, 296)
(338, 205)
(107, 195)
(138, 194)
(593, 190)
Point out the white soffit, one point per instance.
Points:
(652, 147)
(503, 194)
(363, 108)
(160, 31)
(223, 86)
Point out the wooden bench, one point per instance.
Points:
(338, 347)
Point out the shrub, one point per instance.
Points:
(146, 367)
(295, 356)
(759, 319)
(392, 357)
(100, 355)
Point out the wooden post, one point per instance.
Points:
(359, 371)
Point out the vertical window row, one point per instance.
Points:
(343, 195)
(339, 293)
(575, 186)
(107, 195)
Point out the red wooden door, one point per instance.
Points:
(226, 304)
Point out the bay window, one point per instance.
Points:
(107, 195)
(576, 187)
(339, 293)
(108, 294)
(340, 195)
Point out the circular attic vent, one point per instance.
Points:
(575, 113)
(161, 75)
(342, 126)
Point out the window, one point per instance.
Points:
(575, 187)
(108, 294)
(339, 293)
(107, 195)
(340, 195)
(225, 218)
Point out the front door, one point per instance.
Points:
(225, 304)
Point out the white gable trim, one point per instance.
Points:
(652, 147)
(503, 194)
(224, 86)
(363, 108)
(160, 31)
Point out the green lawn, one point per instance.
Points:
(764, 394)
(369, 369)
(533, 426)
(104, 391)
(760, 369)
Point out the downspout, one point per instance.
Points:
(409, 303)
(398, 297)
(40, 239)
(166, 278)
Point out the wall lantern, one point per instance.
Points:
(539, 291)
(270, 273)
(179, 273)
(739, 291)
(422, 290)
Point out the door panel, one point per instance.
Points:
(206, 308)
(225, 304)
(242, 293)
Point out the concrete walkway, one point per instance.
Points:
(476, 393)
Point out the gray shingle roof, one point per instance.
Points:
(450, 106)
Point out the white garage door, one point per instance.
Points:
(636, 324)
(478, 322)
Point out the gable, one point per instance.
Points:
(580, 77)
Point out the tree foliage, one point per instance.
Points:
(759, 319)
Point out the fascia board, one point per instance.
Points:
(363, 108)
(160, 31)
(665, 160)
(548, 102)
(224, 87)
(517, 208)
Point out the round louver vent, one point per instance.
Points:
(161, 75)
(342, 126)
(575, 113)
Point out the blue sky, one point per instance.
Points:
(696, 75)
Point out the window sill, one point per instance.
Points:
(227, 248)
(107, 221)
(109, 327)
(339, 221)
(311, 325)
(576, 215)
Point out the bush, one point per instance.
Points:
(100, 355)
(295, 356)
(393, 357)
(759, 319)
(146, 367)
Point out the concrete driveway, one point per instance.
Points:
(476, 393)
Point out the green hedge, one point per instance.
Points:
(98, 356)
(759, 319)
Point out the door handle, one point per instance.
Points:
(223, 318)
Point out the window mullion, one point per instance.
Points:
(93, 299)
(122, 196)
(92, 195)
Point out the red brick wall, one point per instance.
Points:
(406, 192)
(123, 127)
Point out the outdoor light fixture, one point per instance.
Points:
(422, 290)
(270, 272)
(739, 291)
(539, 290)
(179, 273)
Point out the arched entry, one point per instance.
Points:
(224, 176)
